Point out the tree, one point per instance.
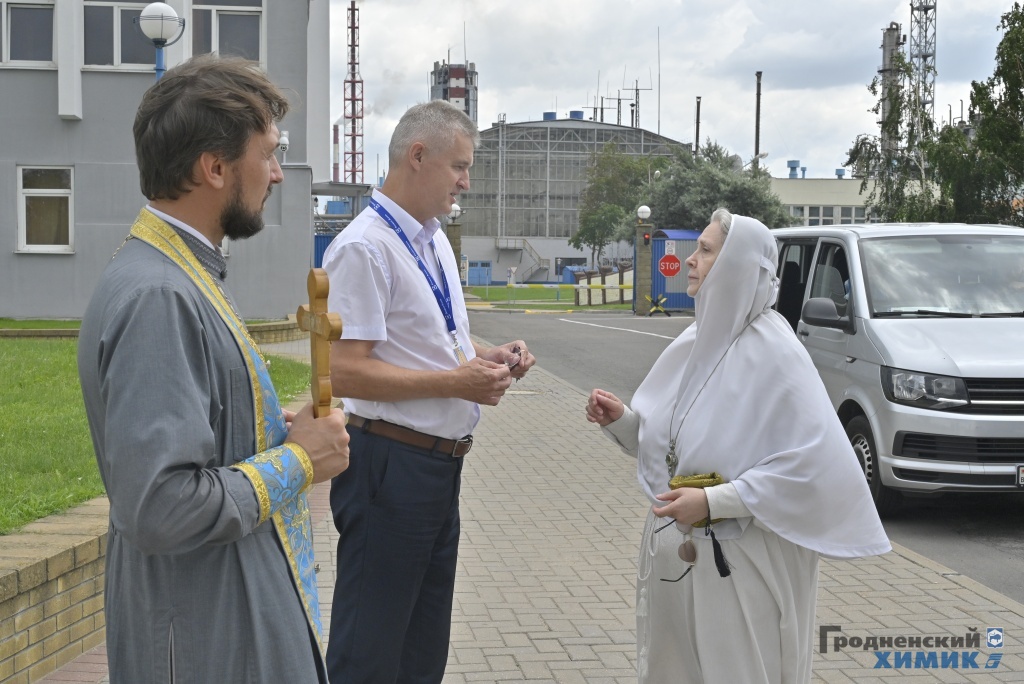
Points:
(997, 109)
(971, 172)
(970, 180)
(895, 160)
(597, 229)
(691, 189)
(614, 179)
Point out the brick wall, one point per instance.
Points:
(284, 331)
(51, 592)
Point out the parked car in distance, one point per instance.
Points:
(917, 331)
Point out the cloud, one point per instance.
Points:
(817, 57)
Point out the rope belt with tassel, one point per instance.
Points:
(700, 482)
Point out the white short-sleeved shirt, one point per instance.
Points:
(381, 295)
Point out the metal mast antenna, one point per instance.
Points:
(353, 103)
(634, 106)
(922, 53)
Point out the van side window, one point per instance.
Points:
(832, 277)
(794, 266)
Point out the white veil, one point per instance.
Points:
(748, 403)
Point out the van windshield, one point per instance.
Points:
(952, 275)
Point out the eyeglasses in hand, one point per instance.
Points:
(687, 553)
(519, 357)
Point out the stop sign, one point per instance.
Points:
(669, 265)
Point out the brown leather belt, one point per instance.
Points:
(452, 447)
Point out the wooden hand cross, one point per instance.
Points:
(322, 327)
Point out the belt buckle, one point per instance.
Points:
(468, 439)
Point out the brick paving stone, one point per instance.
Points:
(551, 518)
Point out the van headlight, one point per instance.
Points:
(923, 390)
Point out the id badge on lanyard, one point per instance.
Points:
(443, 297)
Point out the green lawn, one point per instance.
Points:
(45, 448)
(499, 293)
(290, 377)
(564, 295)
(18, 324)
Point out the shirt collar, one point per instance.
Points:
(185, 227)
(410, 226)
(209, 256)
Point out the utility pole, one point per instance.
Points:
(757, 123)
(696, 133)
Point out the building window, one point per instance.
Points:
(814, 216)
(46, 209)
(111, 37)
(226, 28)
(26, 32)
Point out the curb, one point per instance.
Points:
(491, 309)
(953, 576)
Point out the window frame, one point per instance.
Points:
(826, 256)
(217, 9)
(23, 246)
(827, 215)
(118, 65)
(5, 35)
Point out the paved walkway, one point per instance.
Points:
(551, 519)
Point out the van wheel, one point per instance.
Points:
(887, 500)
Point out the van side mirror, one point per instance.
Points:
(821, 311)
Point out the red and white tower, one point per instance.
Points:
(353, 103)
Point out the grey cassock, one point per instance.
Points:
(196, 590)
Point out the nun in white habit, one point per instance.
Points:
(736, 394)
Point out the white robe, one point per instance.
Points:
(745, 401)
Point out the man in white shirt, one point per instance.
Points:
(412, 379)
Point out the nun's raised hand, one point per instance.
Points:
(604, 407)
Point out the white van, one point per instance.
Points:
(917, 331)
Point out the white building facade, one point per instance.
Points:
(72, 73)
(823, 201)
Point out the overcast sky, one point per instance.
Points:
(817, 57)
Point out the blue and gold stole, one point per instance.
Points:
(280, 472)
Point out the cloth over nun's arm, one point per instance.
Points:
(625, 431)
(155, 370)
(725, 502)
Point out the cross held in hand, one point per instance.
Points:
(323, 327)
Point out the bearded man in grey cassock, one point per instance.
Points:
(209, 567)
(736, 394)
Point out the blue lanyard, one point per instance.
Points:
(444, 299)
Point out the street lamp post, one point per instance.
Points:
(642, 262)
(163, 27)
(454, 233)
(757, 157)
